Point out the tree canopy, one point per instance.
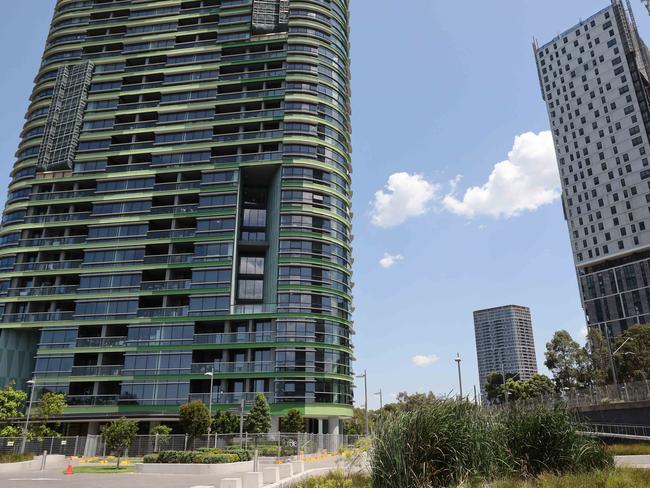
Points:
(294, 422)
(258, 420)
(119, 435)
(195, 418)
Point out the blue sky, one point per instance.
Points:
(440, 89)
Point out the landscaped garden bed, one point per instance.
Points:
(200, 456)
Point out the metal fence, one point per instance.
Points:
(268, 445)
(595, 395)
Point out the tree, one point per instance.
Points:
(634, 355)
(597, 354)
(50, 405)
(493, 384)
(11, 407)
(259, 418)
(119, 435)
(195, 418)
(566, 360)
(357, 424)
(163, 432)
(225, 423)
(294, 422)
(538, 385)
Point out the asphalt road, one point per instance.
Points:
(54, 478)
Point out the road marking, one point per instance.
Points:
(202, 486)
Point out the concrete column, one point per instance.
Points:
(275, 424)
(333, 437)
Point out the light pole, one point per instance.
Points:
(32, 384)
(211, 375)
(381, 399)
(365, 388)
(460, 378)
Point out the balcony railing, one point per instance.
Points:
(166, 285)
(52, 241)
(110, 370)
(101, 341)
(57, 217)
(73, 400)
(55, 195)
(171, 233)
(238, 367)
(42, 291)
(37, 316)
(163, 312)
(234, 338)
(48, 265)
(168, 259)
(224, 398)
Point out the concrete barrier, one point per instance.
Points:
(253, 480)
(217, 469)
(230, 483)
(298, 467)
(53, 460)
(286, 470)
(270, 475)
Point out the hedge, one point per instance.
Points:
(202, 456)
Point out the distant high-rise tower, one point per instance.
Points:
(595, 82)
(504, 342)
(178, 223)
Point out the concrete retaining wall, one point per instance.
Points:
(33, 465)
(218, 469)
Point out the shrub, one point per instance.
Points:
(150, 458)
(173, 457)
(447, 443)
(542, 439)
(10, 457)
(441, 444)
(202, 456)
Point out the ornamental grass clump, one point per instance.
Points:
(449, 443)
(444, 443)
(548, 440)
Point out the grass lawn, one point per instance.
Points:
(103, 469)
(629, 449)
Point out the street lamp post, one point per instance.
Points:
(381, 399)
(460, 379)
(365, 388)
(211, 375)
(32, 384)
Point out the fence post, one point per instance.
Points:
(52, 445)
(155, 444)
(185, 446)
(76, 442)
(43, 460)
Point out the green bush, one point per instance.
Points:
(174, 457)
(447, 443)
(10, 457)
(150, 458)
(542, 439)
(201, 456)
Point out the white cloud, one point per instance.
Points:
(525, 181)
(422, 361)
(404, 195)
(390, 260)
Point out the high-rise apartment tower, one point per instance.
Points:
(595, 82)
(180, 207)
(505, 343)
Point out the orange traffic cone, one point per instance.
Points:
(69, 470)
